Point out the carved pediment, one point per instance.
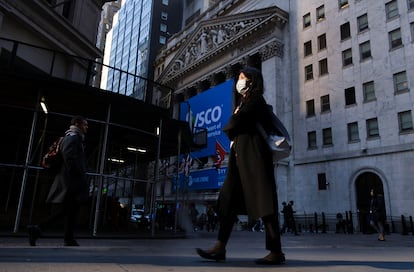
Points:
(216, 35)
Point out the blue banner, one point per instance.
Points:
(201, 179)
(210, 110)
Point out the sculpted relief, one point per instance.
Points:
(217, 35)
(209, 39)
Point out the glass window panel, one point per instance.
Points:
(347, 57)
(353, 133)
(391, 8)
(372, 128)
(310, 108)
(327, 136)
(323, 67)
(325, 104)
(343, 4)
(306, 20)
(395, 38)
(309, 72)
(307, 48)
(312, 139)
(320, 13)
(400, 82)
(322, 42)
(345, 31)
(369, 91)
(365, 50)
(350, 96)
(405, 121)
(362, 22)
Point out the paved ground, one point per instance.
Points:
(304, 253)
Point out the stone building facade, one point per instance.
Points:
(69, 27)
(338, 74)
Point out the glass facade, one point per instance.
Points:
(130, 49)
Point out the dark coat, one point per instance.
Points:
(70, 182)
(250, 185)
(377, 209)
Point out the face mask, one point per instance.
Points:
(241, 86)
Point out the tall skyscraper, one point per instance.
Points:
(141, 28)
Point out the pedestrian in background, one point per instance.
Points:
(290, 217)
(377, 214)
(211, 218)
(285, 218)
(249, 186)
(69, 189)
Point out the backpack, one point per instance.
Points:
(52, 160)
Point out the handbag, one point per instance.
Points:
(278, 138)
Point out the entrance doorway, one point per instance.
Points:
(363, 185)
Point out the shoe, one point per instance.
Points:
(216, 256)
(71, 243)
(272, 259)
(34, 233)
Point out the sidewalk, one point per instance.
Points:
(306, 253)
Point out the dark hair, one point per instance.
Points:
(255, 78)
(77, 120)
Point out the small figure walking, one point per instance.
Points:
(377, 214)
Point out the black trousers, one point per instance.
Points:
(272, 231)
(68, 211)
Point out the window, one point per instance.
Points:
(163, 40)
(405, 121)
(164, 15)
(322, 184)
(410, 4)
(362, 22)
(400, 82)
(395, 38)
(163, 27)
(350, 96)
(365, 50)
(353, 134)
(312, 140)
(308, 72)
(391, 9)
(347, 57)
(372, 128)
(343, 4)
(323, 67)
(327, 136)
(412, 31)
(306, 20)
(325, 105)
(322, 42)
(310, 108)
(320, 13)
(345, 31)
(307, 48)
(165, 2)
(368, 91)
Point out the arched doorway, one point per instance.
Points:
(364, 183)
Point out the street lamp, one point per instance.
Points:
(43, 105)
